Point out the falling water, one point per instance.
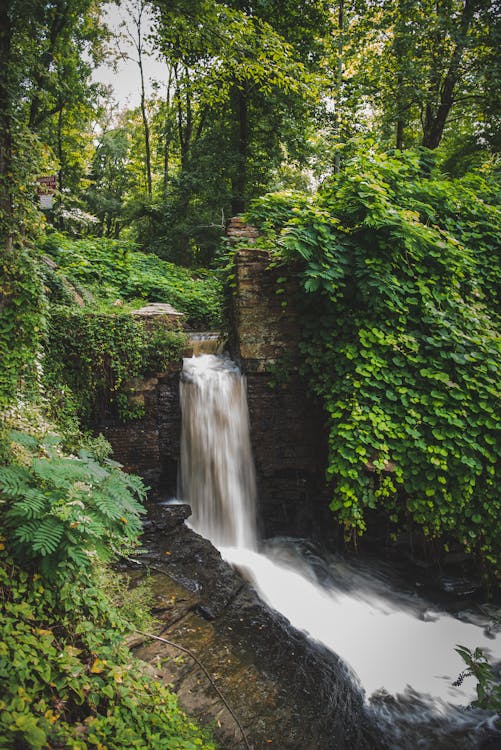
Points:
(217, 471)
(400, 647)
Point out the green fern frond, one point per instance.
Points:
(26, 531)
(33, 505)
(14, 481)
(94, 528)
(108, 505)
(78, 555)
(60, 472)
(21, 438)
(47, 536)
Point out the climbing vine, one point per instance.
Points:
(21, 320)
(400, 277)
(90, 357)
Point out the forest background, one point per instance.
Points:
(362, 137)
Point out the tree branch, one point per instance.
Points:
(206, 673)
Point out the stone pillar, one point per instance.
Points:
(287, 425)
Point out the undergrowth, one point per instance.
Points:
(108, 273)
(66, 678)
(91, 357)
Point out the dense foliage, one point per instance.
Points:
(91, 357)
(21, 319)
(399, 267)
(66, 678)
(113, 270)
(61, 510)
(400, 275)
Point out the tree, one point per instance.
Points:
(134, 28)
(426, 64)
(109, 181)
(35, 39)
(241, 73)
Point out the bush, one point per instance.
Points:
(61, 511)
(114, 269)
(66, 679)
(399, 277)
(89, 357)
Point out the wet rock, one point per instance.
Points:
(167, 517)
(287, 692)
(459, 586)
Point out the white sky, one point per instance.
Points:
(125, 79)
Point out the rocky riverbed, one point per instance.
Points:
(286, 692)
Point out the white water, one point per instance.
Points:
(217, 472)
(392, 641)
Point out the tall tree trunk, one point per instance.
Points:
(60, 152)
(146, 128)
(401, 94)
(167, 135)
(436, 114)
(339, 85)
(240, 118)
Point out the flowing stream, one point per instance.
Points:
(399, 646)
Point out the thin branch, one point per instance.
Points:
(206, 673)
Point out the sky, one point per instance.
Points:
(125, 79)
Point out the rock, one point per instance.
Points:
(167, 517)
(287, 692)
(158, 309)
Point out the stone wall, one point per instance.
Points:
(287, 425)
(150, 446)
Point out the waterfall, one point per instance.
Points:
(217, 470)
(400, 645)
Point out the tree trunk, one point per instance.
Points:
(240, 112)
(167, 135)
(436, 115)
(339, 85)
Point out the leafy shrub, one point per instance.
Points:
(61, 510)
(89, 358)
(488, 685)
(400, 280)
(66, 679)
(114, 269)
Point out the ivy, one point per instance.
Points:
(22, 318)
(400, 274)
(90, 357)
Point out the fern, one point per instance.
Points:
(26, 531)
(60, 472)
(78, 556)
(47, 536)
(94, 528)
(14, 480)
(61, 509)
(22, 438)
(33, 505)
(109, 506)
